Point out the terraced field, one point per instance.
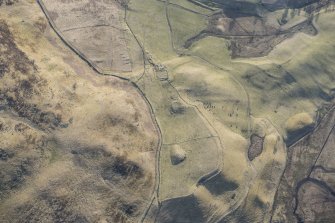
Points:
(194, 111)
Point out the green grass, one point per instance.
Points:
(213, 49)
(295, 77)
(180, 180)
(215, 91)
(177, 127)
(148, 21)
(188, 5)
(185, 25)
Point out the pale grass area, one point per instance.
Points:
(101, 112)
(299, 121)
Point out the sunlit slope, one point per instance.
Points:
(75, 146)
(240, 97)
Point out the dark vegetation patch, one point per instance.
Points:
(91, 153)
(14, 173)
(16, 67)
(3, 69)
(114, 169)
(198, 90)
(43, 119)
(49, 208)
(8, 2)
(121, 168)
(260, 204)
(245, 8)
(308, 93)
(61, 209)
(272, 79)
(121, 210)
(129, 209)
(21, 158)
(5, 155)
(127, 183)
(289, 79)
(247, 29)
(177, 108)
(256, 146)
(251, 44)
(113, 121)
(218, 185)
(90, 157)
(20, 127)
(294, 135)
(261, 80)
(184, 209)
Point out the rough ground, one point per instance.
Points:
(74, 146)
(306, 191)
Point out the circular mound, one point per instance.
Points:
(177, 155)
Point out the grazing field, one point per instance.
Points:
(181, 179)
(184, 25)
